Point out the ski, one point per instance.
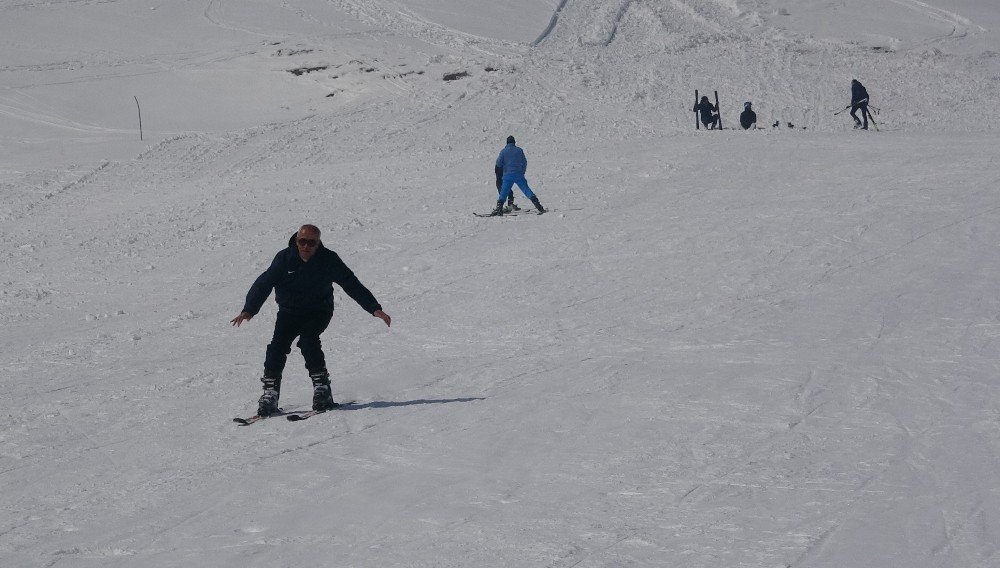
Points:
(297, 416)
(292, 415)
(256, 418)
(511, 214)
(303, 415)
(247, 421)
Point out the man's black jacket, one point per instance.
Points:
(706, 109)
(305, 287)
(858, 93)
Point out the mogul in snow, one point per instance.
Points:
(748, 118)
(859, 101)
(709, 116)
(301, 276)
(513, 164)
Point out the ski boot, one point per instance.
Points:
(498, 210)
(322, 397)
(268, 403)
(538, 205)
(510, 205)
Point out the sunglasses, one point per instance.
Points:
(308, 242)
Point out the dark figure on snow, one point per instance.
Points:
(859, 101)
(510, 198)
(748, 118)
(301, 276)
(513, 163)
(709, 116)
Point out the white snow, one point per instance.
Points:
(766, 349)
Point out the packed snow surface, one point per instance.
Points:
(771, 348)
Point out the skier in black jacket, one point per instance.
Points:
(301, 276)
(748, 118)
(859, 100)
(709, 118)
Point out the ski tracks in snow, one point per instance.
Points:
(960, 23)
(395, 16)
(552, 23)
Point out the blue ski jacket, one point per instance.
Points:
(512, 160)
(306, 287)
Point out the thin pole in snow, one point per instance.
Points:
(140, 115)
(717, 111)
(697, 125)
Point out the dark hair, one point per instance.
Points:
(510, 139)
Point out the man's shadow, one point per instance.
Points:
(389, 404)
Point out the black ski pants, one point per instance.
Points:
(307, 327)
(864, 113)
(510, 198)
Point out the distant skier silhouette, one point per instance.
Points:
(709, 114)
(859, 101)
(748, 118)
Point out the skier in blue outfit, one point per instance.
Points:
(514, 164)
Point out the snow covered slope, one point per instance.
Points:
(770, 348)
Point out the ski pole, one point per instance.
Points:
(841, 110)
(697, 125)
(717, 111)
(872, 119)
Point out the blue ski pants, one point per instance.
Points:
(507, 186)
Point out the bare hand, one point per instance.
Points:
(244, 316)
(383, 316)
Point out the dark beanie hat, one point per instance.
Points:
(510, 139)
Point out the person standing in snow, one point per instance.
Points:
(513, 163)
(859, 100)
(510, 198)
(301, 276)
(748, 118)
(709, 118)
